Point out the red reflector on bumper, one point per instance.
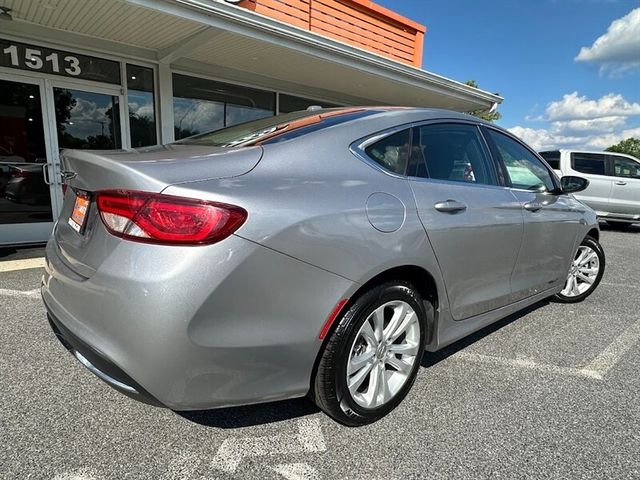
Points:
(332, 318)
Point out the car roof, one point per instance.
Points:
(426, 113)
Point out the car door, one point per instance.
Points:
(625, 195)
(474, 225)
(551, 221)
(593, 167)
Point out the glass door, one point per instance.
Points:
(87, 119)
(28, 200)
(38, 118)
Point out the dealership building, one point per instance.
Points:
(104, 74)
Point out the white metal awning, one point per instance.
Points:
(229, 42)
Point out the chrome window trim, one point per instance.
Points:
(358, 147)
(455, 182)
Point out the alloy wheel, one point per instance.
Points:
(582, 273)
(383, 354)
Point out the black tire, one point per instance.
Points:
(330, 390)
(597, 248)
(620, 225)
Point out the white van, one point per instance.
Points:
(614, 182)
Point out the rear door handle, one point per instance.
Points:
(533, 206)
(619, 182)
(450, 206)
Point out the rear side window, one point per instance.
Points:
(625, 167)
(525, 170)
(453, 152)
(591, 163)
(392, 152)
(552, 158)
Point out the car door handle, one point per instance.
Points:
(533, 206)
(450, 206)
(45, 174)
(621, 183)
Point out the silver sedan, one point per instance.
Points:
(315, 253)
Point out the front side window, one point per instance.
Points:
(625, 167)
(525, 170)
(202, 105)
(453, 152)
(591, 163)
(392, 152)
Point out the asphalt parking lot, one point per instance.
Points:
(553, 392)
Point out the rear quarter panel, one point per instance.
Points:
(307, 198)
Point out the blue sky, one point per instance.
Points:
(526, 50)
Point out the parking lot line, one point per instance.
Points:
(24, 264)
(621, 285)
(309, 439)
(35, 293)
(611, 355)
(297, 471)
(529, 365)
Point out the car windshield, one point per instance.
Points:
(259, 131)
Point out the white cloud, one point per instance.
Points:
(582, 123)
(618, 50)
(573, 106)
(591, 126)
(144, 110)
(544, 139)
(88, 119)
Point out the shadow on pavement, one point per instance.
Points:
(620, 227)
(22, 252)
(432, 358)
(252, 415)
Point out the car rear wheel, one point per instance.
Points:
(371, 360)
(585, 272)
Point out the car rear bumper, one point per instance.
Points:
(194, 328)
(99, 365)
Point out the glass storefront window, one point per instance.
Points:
(87, 120)
(289, 103)
(24, 195)
(201, 105)
(142, 118)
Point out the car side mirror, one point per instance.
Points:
(572, 184)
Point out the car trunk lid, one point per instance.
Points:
(151, 170)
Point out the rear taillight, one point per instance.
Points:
(166, 219)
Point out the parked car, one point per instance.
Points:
(312, 253)
(614, 182)
(26, 185)
(7, 160)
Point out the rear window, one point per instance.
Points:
(591, 163)
(276, 129)
(392, 152)
(552, 158)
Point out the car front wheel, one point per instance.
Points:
(585, 272)
(371, 360)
